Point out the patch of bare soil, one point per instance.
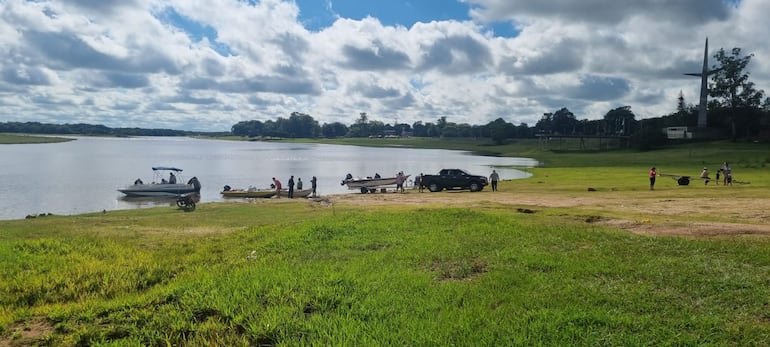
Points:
(27, 334)
(695, 229)
(661, 214)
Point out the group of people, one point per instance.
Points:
(290, 193)
(725, 172)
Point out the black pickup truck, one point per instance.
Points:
(454, 179)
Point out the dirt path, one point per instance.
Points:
(652, 214)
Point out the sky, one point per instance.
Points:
(205, 65)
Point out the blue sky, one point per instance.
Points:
(209, 64)
(317, 15)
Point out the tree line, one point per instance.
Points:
(88, 129)
(737, 109)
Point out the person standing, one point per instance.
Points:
(705, 176)
(400, 178)
(493, 178)
(291, 187)
(422, 186)
(171, 178)
(277, 185)
(299, 183)
(726, 172)
(653, 174)
(313, 185)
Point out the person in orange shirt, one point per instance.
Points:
(653, 174)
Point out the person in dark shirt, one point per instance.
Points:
(291, 187)
(313, 184)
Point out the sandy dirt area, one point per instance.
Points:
(652, 214)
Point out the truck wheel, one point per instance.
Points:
(364, 190)
(434, 187)
(475, 187)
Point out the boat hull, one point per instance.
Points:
(297, 193)
(372, 182)
(248, 193)
(159, 190)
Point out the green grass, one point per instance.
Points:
(553, 154)
(299, 273)
(25, 139)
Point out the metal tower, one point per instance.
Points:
(704, 88)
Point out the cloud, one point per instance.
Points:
(375, 57)
(67, 51)
(456, 55)
(179, 63)
(120, 80)
(25, 75)
(599, 88)
(601, 11)
(107, 7)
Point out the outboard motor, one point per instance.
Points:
(227, 188)
(196, 184)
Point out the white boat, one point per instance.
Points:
(162, 187)
(371, 183)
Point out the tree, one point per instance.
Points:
(361, 127)
(730, 84)
(249, 128)
(333, 130)
(441, 123)
(300, 125)
(500, 130)
(681, 107)
(619, 121)
(732, 89)
(419, 129)
(561, 122)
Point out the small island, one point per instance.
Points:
(7, 139)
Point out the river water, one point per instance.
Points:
(82, 176)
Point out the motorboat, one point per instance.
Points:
(371, 182)
(302, 193)
(162, 187)
(251, 192)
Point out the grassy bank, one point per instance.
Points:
(568, 153)
(414, 269)
(25, 139)
(293, 273)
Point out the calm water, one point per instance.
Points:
(82, 176)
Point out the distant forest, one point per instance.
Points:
(89, 129)
(736, 110)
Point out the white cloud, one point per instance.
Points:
(130, 63)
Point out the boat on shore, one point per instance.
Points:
(251, 192)
(303, 193)
(371, 183)
(160, 186)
